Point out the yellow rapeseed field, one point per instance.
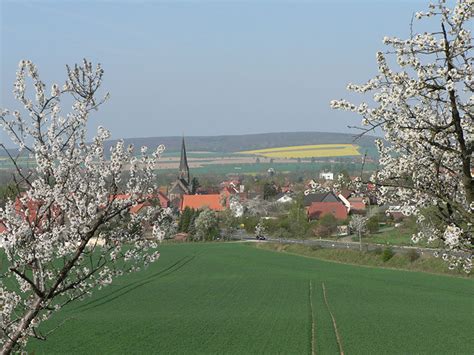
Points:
(307, 151)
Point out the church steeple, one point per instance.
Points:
(183, 165)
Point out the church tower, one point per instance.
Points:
(182, 185)
(183, 165)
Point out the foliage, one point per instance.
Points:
(326, 226)
(186, 220)
(228, 223)
(249, 222)
(206, 226)
(426, 112)
(387, 254)
(260, 230)
(71, 231)
(195, 184)
(256, 207)
(413, 255)
(378, 251)
(292, 224)
(373, 224)
(358, 224)
(9, 191)
(269, 190)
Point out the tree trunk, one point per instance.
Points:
(25, 322)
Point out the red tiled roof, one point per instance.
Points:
(357, 203)
(346, 193)
(164, 201)
(197, 202)
(2, 228)
(319, 209)
(30, 208)
(371, 187)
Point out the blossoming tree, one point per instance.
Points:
(71, 229)
(426, 110)
(358, 224)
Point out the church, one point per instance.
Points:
(182, 185)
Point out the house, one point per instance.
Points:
(215, 202)
(284, 198)
(358, 205)
(159, 197)
(234, 186)
(346, 193)
(326, 175)
(319, 197)
(396, 212)
(287, 188)
(319, 209)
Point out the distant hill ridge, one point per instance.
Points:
(236, 143)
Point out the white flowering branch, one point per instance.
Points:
(71, 230)
(426, 110)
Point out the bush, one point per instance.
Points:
(387, 254)
(373, 224)
(378, 251)
(413, 255)
(327, 225)
(249, 223)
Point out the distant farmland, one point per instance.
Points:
(307, 151)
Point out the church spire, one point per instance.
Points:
(183, 164)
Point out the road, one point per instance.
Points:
(324, 243)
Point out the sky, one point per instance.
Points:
(206, 67)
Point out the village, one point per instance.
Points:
(322, 207)
(262, 206)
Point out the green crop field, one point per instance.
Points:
(262, 168)
(233, 298)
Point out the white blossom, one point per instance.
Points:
(71, 230)
(425, 108)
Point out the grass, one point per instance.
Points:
(262, 168)
(236, 299)
(425, 263)
(397, 236)
(307, 151)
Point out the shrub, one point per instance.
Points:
(373, 224)
(378, 251)
(327, 225)
(387, 254)
(413, 255)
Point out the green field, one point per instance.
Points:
(234, 298)
(262, 168)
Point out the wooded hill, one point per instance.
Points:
(237, 143)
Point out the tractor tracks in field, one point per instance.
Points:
(314, 327)
(313, 321)
(336, 332)
(137, 284)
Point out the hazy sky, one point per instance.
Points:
(207, 67)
